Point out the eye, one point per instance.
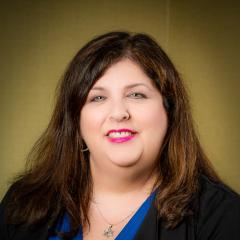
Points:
(138, 95)
(97, 99)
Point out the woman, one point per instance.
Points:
(120, 158)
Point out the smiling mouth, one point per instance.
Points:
(120, 136)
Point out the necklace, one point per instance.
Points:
(108, 231)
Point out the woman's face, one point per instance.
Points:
(123, 121)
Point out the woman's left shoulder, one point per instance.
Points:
(219, 211)
(217, 191)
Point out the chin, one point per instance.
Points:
(125, 161)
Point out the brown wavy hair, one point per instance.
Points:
(57, 178)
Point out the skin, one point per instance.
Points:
(123, 173)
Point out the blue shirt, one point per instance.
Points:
(127, 233)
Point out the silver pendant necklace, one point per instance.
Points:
(108, 231)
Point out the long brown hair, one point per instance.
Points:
(57, 179)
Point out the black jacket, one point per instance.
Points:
(218, 218)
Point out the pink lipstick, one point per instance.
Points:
(121, 139)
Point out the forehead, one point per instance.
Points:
(124, 73)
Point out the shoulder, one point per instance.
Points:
(3, 215)
(219, 211)
(15, 232)
(215, 192)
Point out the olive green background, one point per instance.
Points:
(38, 39)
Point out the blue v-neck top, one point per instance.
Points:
(127, 233)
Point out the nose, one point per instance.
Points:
(119, 112)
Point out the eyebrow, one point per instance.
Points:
(127, 87)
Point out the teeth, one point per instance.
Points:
(119, 134)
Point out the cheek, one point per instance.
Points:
(154, 117)
(90, 121)
(160, 120)
(154, 124)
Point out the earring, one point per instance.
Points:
(84, 149)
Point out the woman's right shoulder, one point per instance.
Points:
(4, 231)
(13, 231)
(6, 199)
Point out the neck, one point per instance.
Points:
(121, 182)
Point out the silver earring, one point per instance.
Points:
(84, 149)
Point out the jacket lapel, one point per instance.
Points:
(153, 228)
(149, 227)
